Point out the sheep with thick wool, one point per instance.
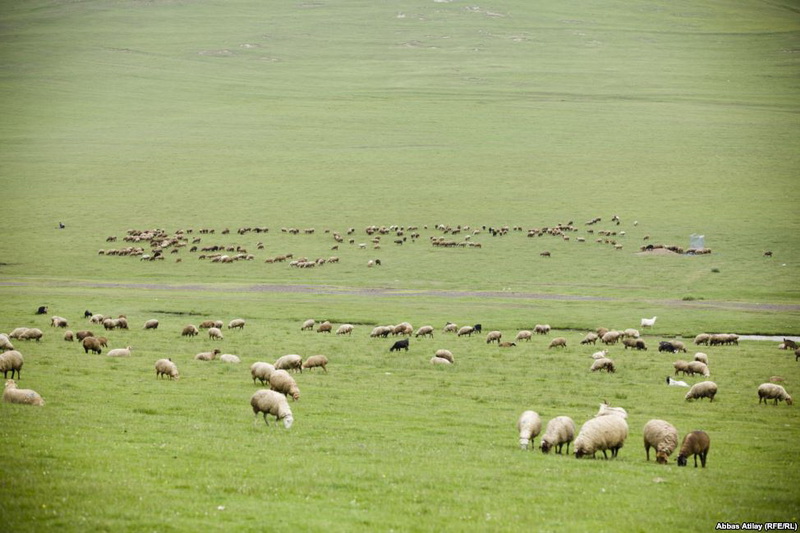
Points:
(524, 335)
(694, 444)
(165, 367)
(344, 329)
(661, 436)
(603, 364)
(282, 382)
(529, 425)
(558, 342)
(230, 358)
(34, 334)
(207, 356)
(559, 431)
(272, 403)
(698, 367)
(704, 389)
(601, 433)
(493, 336)
(290, 362)
(11, 361)
(12, 394)
(236, 323)
(120, 352)
(5, 342)
(308, 324)
(261, 371)
(315, 361)
(215, 334)
(771, 391)
(424, 331)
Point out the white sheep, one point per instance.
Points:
(344, 329)
(648, 322)
(704, 389)
(606, 410)
(207, 356)
(281, 381)
(381, 331)
(493, 336)
(663, 437)
(165, 367)
(559, 431)
(120, 352)
(230, 358)
(529, 425)
(700, 356)
(450, 328)
(424, 331)
(272, 403)
(236, 323)
(465, 330)
(541, 329)
(5, 342)
(308, 324)
(11, 394)
(590, 338)
(696, 367)
(32, 334)
(17, 333)
(261, 371)
(316, 361)
(69, 336)
(215, 333)
(631, 333)
(290, 362)
(603, 364)
(601, 433)
(11, 361)
(558, 342)
(445, 354)
(524, 335)
(151, 324)
(771, 391)
(439, 361)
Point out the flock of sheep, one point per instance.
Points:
(607, 431)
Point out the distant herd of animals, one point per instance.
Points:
(157, 244)
(607, 431)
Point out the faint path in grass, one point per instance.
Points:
(404, 293)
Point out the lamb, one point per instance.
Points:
(207, 356)
(600, 434)
(316, 361)
(189, 331)
(344, 329)
(282, 382)
(69, 336)
(558, 342)
(524, 335)
(165, 367)
(493, 336)
(529, 425)
(272, 403)
(11, 394)
(230, 358)
(696, 367)
(590, 338)
(290, 362)
(236, 323)
(771, 391)
(648, 322)
(32, 334)
(559, 431)
(663, 437)
(120, 352)
(541, 329)
(215, 334)
(91, 343)
(603, 364)
(308, 324)
(11, 361)
(704, 389)
(465, 330)
(700, 356)
(694, 443)
(83, 334)
(325, 327)
(424, 331)
(151, 324)
(675, 383)
(445, 354)
(261, 371)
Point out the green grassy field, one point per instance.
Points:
(680, 117)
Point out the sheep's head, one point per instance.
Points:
(288, 420)
(788, 400)
(681, 460)
(661, 458)
(545, 446)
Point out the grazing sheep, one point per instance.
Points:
(601, 331)
(103, 341)
(696, 367)
(601, 434)
(32, 334)
(611, 337)
(590, 338)
(424, 331)
(290, 362)
(83, 334)
(439, 361)
(282, 382)
(771, 391)
(603, 364)
(11, 394)
(17, 333)
(704, 389)
(165, 367)
(190, 331)
(230, 358)
(524, 335)
(308, 324)
(215, 334)
(325, 327)
(403, 328)
(679, 346)
(529, 425)
(507, 344)
(559, 431)
(676, 383)
(723, 339)
(5, 342)
(381, 331)
(151, 324)
(541, 329)
(399, 345)
(631, 333)
(648, 322)
(207, 356)
(272, 403)
(58, 322)
(261, 371)
(636, 344)
(700, 356)
(790, 344)
(316, 361)
(450, 328)
(122, 322)
(110, 323)
(97, 319)
(477, 328)
(493, 336)
(606, 410)
(205, 324)
(702, 338)
(69, 336)
(681, 366)
(558, 342)
(120, 352)
(91, 343)
(694, 443)
(11, 361)
(236, 323)
(665, 346)
(465, 330)
(445, 354)
(344, 329)
(663, 437)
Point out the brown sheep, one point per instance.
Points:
(91, 343)
(189, 331)
(558, 342)
(694, 443)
